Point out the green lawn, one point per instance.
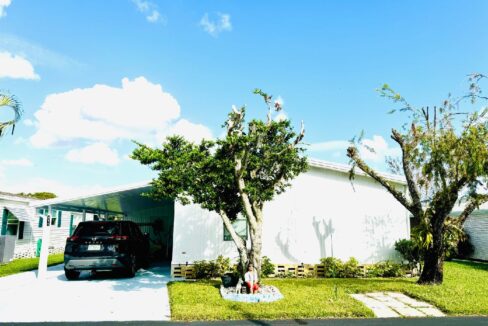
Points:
(27, 264)
(464, 292)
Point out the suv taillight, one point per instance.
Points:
(73, 238)
(119, 237)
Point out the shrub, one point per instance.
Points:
(350, 269)
(267, 267)
(465, 248)
(409, 251)
(385, 269)
(203, 269)
(212, 268)
(333, 267)
(453, 234)
(222, 265)
(286, 275)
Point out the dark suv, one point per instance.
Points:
(105, 245)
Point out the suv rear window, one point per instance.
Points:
(98, 229)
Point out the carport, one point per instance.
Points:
(123, 203)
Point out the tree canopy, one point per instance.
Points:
(233, 175)
(39, 195)
(444, 158)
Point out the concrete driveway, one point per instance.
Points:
(100, 297)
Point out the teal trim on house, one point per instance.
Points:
(4, 222)
(71, 225)
(60, 214)
(38, 247)
(40, 211)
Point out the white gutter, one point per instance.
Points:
(344, 168)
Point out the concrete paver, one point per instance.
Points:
(393, 304)
(379, 308)
(433, 312)
(409, 301)
(409, 312)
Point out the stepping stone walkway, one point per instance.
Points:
(394, 304)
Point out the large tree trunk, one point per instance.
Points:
(433, 270)
(239, 242)
(256, 246)
(243, 261)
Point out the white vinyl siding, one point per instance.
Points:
(476, 226)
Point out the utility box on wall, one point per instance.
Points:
(7, 247)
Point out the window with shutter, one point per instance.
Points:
(240, 226)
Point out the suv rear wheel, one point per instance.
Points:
(71, 274)
(132, 268)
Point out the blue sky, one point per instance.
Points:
(165, 67)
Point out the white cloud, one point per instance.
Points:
(192, 132)
(94, 153)
(28, 122)
(380, 147)
(3, 5)
(154, 16)
(216, 26)
(150, 11)
(377, 143)
(102, 114)
(19, 162)
(16, 67)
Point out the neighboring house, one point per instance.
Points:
(476, 226)
(16, 222)
(322, 214)
(20, 218)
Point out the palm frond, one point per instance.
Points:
(10, 101)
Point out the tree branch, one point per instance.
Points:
(241, 185)
(412, 186)
(352, 153)
(474, 203)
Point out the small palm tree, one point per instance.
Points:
(9, 101)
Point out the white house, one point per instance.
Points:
(476, 227)
(322, 214)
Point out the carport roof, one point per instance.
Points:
(120, 200)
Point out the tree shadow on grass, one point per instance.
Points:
(472, 264)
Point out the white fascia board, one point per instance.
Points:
(344, 168)
(61, 200)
